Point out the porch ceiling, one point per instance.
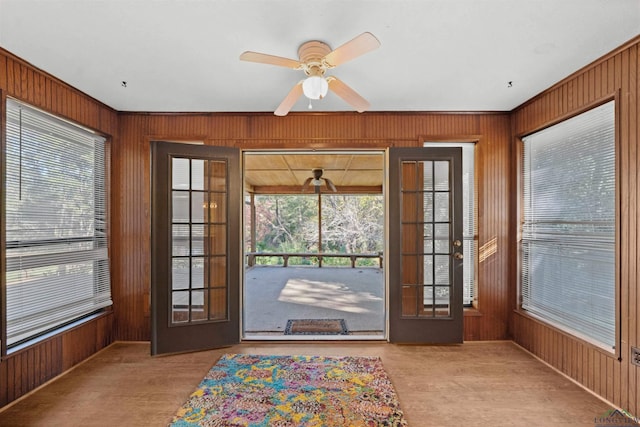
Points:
(287, 172)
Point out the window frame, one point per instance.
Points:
(102, 185)
(519, 182)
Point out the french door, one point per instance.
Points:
(425, 245)
(196, 201)
(196, 212)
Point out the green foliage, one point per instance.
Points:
(289, 223)
(286, 223)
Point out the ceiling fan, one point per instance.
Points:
(315, 58)
(316, 180)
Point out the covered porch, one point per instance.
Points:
(274, 295)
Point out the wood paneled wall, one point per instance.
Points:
(25, 370)
(617, 73)
(24, 82)
(131, 189)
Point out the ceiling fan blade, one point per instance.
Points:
(289, 100)
(263, 58)
(349, 95)
(360, 45)
(306, 183)
(330, 185)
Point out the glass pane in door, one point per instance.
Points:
(199, 241)
(426, 239)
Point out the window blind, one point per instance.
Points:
(469, 244)
(56, 237)
(568, 234)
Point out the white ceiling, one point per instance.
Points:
(436, 55)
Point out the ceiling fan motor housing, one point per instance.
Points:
(311, 54)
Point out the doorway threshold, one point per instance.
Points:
(280, 337)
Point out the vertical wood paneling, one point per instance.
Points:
(613, 379)
(3, 71)
(25, 370)
(131, 193)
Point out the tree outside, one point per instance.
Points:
(351, 224)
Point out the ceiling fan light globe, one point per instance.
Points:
(315, 87)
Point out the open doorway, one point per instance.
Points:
(313, 245)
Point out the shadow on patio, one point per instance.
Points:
(273, 295)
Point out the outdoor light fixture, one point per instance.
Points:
(315, 87)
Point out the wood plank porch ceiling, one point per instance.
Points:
(285, 173)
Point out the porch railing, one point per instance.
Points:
(251, 257)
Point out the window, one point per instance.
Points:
(56, 240)
(568, 233)
(469, 246)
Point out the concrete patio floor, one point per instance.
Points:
(273, 295)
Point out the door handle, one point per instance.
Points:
(458, 255)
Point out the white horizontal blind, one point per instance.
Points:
(469, 246)
(568, 235)
(57, 260)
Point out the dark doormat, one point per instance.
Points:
(316, 327)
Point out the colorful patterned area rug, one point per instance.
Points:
(316, 327)
(306, 391)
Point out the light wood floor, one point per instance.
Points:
(474, 384)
